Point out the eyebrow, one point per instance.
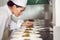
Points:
(18, 6)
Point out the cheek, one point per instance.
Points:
(15, 11)
(18, 11)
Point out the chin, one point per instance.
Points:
(17, 15)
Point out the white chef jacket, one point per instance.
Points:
(5, 20)
(5, 15)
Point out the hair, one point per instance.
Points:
(10, 3)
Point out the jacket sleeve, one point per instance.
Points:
(13, 25)
(17, 25)
(3, 19)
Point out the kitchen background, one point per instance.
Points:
(42, 12)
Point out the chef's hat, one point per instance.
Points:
(20, 2)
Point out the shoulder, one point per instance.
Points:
(3, 13)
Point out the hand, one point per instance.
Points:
(28, 23)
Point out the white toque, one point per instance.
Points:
(20, 2)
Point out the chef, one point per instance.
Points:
(13, 7)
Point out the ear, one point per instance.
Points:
(14, 6)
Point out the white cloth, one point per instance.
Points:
(20, 2)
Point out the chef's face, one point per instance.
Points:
(17, 10)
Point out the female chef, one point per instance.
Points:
(15, 7)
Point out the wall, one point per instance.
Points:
(3, 2)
